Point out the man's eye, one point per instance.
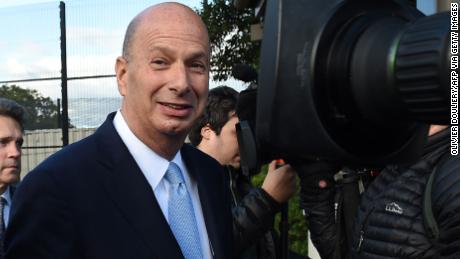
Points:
(19, 143)
(199, 67)
(158, 62)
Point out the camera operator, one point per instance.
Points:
(400, 215)
(254, 209)
(364, 80)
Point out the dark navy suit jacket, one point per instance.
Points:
(90, 200)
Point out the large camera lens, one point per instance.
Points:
(355, 81)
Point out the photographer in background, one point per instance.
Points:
(254, 209)
(403, 213)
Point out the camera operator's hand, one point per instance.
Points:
(280, 182)
(317, 199)
(316, 177)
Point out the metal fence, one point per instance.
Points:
(66, 51)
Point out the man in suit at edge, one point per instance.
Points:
(107, 195)
(11, 129)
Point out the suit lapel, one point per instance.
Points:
(12, 190)
(210, 203)
(128, 188)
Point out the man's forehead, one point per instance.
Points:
(6, 122)
(6, 118)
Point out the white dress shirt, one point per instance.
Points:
(6, 210)
(154, 168)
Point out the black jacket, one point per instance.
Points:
(390, 218)
(389, 221)
(253, 216)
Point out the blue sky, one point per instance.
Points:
(9, 3)
(422, 4)
(30, 42)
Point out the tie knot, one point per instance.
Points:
(174, 174)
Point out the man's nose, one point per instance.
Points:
(180, 80)
(14, 150)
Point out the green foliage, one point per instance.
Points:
(297, 227)
(229, 36)
(41, 112)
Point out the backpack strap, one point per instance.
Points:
(431, 226)
(429, 221)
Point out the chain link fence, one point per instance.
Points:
(65, 52)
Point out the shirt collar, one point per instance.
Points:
(151, 164)
(7, 195)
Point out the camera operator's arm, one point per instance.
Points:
(253, 217)
(317, 199)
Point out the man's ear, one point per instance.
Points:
(206, 132)
(121, 69)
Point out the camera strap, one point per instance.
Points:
(352, 183)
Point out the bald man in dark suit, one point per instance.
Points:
(112, 195)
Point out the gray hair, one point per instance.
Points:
(12, 109)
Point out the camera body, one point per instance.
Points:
(353, 81)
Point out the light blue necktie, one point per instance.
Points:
(181, 215)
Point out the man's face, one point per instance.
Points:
(10, 150)
(164, 82)
(225, 145)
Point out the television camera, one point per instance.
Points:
(357, 82)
